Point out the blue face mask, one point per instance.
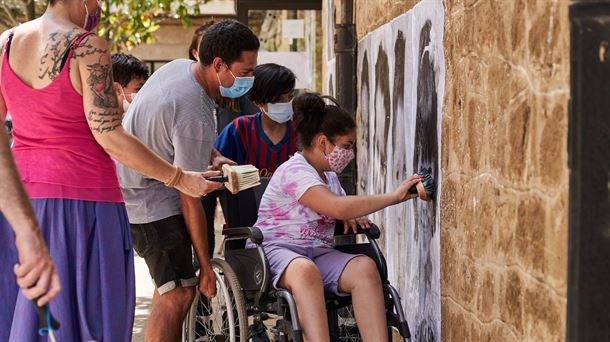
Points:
(280, 112)
(239, 88)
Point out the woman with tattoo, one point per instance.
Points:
(56, 81)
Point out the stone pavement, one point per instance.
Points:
(144, 293)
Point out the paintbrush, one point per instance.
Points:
(46, 322)
(238, 177)
(426, 188)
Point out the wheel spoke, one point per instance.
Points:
(215, 319)
(348, 329)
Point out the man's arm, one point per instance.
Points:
(197, 227)
(104, 118)
(36, 274)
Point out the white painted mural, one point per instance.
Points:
(401, 78)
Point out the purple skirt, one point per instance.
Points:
(90, 243)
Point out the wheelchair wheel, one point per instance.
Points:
(348, 329)
(222, 318)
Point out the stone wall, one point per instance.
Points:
(504, 165)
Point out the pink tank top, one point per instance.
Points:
(54, 149)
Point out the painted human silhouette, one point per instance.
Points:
(426, 156)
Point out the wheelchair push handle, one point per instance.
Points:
(253, 233)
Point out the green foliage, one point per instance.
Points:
(127, 23)
(14, 12)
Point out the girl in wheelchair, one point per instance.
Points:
(297, 216)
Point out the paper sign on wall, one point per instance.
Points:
(295, 61)
(293, 28)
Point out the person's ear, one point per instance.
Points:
(320, 142)
(261, 106)
(195, 54)
(118, 89)
(217, 64)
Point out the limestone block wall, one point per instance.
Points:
(504, 165)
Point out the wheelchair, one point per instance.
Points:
(246, 302)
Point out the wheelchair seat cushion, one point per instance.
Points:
(329, 261)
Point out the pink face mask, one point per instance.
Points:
(92, 20)
(339, 158)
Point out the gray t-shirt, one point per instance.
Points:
(173, 116)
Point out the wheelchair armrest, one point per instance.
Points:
(253, 233)
(372, 233)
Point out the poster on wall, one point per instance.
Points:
(401, 80)
(295, 61)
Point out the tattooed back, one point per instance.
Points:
(38, 49)
(39, 52)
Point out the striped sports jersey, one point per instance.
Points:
(245, 142)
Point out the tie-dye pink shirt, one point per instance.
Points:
(282, 218)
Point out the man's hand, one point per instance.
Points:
(207, 280)
(195, 184)
(217, 160)
(36, 273)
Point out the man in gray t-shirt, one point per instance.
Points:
(173, 114)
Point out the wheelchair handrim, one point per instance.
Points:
(190, 324)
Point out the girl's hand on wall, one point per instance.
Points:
(402, 192)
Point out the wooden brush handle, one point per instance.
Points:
(420, 190)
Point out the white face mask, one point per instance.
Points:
(280, 112)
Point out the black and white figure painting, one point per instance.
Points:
(329, 86)
(401, 79)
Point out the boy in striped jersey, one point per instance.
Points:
(268, 138)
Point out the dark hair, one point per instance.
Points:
(197, 38)
(226, 39)
(52, 2)
(312, 116)
(270, 82)
(126, 68)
